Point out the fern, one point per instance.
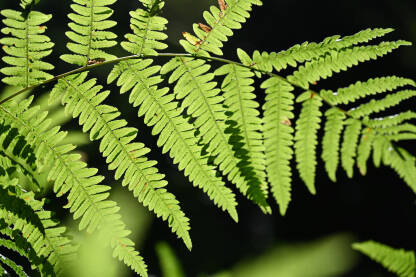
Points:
(89, 35)
(83, 99)
(399, 261)
(221, 21)
(195, 88)
(349, 145)
(239, 100)
(25, 47)
(306, 51)
(336, 61)
(278, 138)
(331, 140)
(175, 133)
(363, 89)
(25, 214)
(306, 138)
(210, 130)
(86, 199)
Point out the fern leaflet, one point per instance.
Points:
(306, 138)
(25, 47)
(306, 51)
(362, 89)
(89, 32)
(331, 141)
(336, 61)
(278, 138)
(221, 21)
(398, 261)
(349, 145)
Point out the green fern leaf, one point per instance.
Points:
(159, 109)
(202, 100)
(278, 138)
(25, 46)
(221, 21)
(176, 134)
(349, 145)
(86, 198)
(21, 212)
(306, 51)
(398, 261)
(240, 102)
(89, 32)
(147, 27)
(336, 61)
(363, 89)
(402, 162)
(378, 149)
(331, 141)
(306, 137)
(364, 149)
(375, 106)
(83, 99)
(389, 121)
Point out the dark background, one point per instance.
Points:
(378, 206)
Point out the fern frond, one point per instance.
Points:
(240, 102)
(147, 29)
(176, 134)
(82, 98)
(349, 145)
(363, 89)
(160, 111)
(25, 47)
(221, 21)
(375, 106)
(402, 162)
(202, 100)
(20, 211)
(86, 198)
(364, 149)
(90, 33)
(306, 51)
(336, 61)
(378, 149)
(392, 120)
(278, 138)
(331, 141)
(398, 261)
(306, 137)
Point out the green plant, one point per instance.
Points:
(208, 131)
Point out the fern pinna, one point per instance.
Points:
(205, 112)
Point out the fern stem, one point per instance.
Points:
(125, 58)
